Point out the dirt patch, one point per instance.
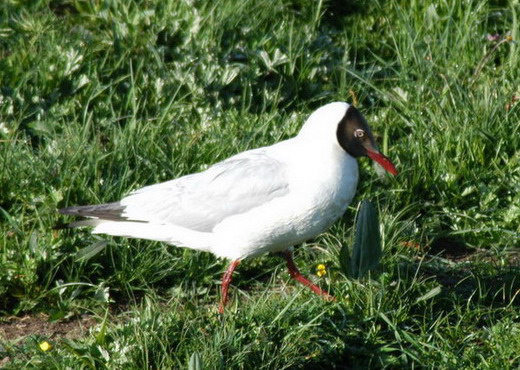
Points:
(17, 328)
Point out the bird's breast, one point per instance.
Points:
(318, 195)
(332, 191)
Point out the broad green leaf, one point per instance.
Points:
(195, 362)
(366, 252)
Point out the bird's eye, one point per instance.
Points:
(359, 133)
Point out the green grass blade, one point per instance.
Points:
(87, 253)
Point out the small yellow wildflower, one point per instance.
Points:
(312, 355)
(321, 270)
(45, 346)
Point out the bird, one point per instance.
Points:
(267, 199)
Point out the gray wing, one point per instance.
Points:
(200, 201)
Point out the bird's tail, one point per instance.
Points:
(109, 219)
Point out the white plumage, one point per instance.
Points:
(258, 201)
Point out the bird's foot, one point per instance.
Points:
(296, 274)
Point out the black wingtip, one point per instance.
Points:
(71, 210)
(108, 211)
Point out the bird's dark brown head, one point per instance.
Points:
(356, 139)
(354, 135)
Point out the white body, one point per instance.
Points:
(258, 201)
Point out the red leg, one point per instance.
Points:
(226, 280)
(296, 274)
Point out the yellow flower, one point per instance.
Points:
(321, 270)
(45, 346)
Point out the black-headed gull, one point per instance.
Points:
(262, 200)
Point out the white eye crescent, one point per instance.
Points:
(359, 133)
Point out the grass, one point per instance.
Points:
(101, 97)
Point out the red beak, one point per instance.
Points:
(382, 160)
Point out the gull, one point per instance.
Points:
(262, 200)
